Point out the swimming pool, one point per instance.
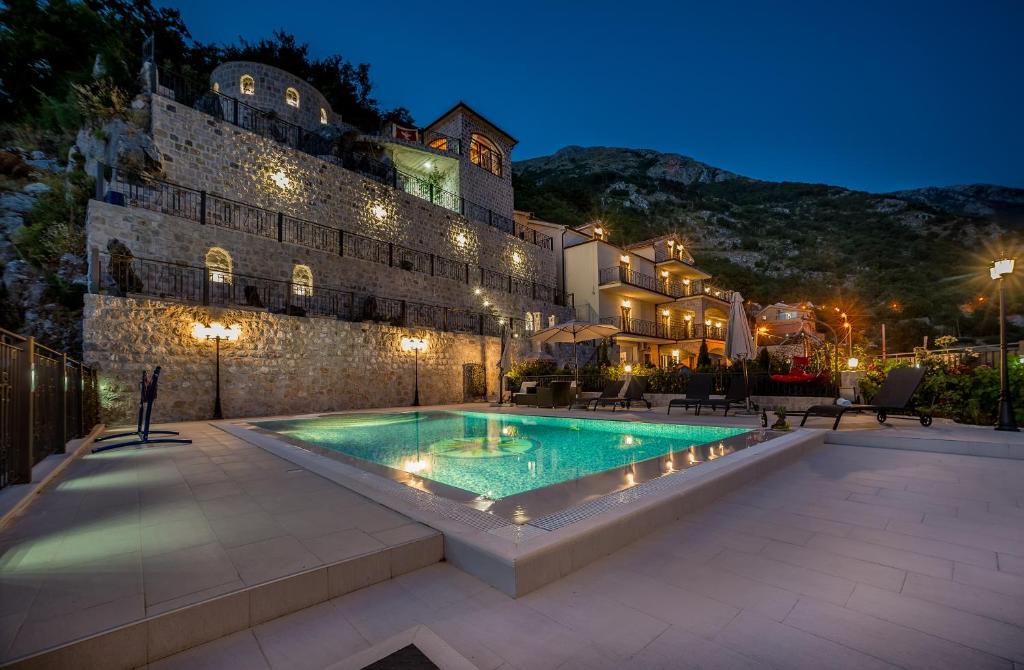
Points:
(497, 456)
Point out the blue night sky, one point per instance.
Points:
(871, 95)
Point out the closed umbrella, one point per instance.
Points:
(504, 361)
(575, 332)
(739, 343)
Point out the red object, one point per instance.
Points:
(407, 134)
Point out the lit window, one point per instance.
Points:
(302, 280)
(216, 87)
(323, 116)
(485, 153)
(218, 266)
(291, 97)
(247, 85)
(441, 144)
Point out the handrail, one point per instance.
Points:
(211, 209)
(666, 330)
(131, 275)
(237, 112)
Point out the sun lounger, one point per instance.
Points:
(614, 394)
(697, 391)
(735, 396)
(894, 398)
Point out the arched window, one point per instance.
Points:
(485, 153)
(247, 85)
(302, 280)
(323, 116)
(216, 87)
(218, 266)
(291, 97)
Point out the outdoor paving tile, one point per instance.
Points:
(962, 536)
(678, 649)
(372, 518)
(405, 533)
(342, 544)
(234, 531)
(668, 603)
(978, 600)
(309, 639)
(441, 585)
(911, 505)
(919, 545)
(228, 506)
(993, 580)
(755, 527)
(314, 522)
(9, 626)
(683, 533)
(238, 651)
(384, 609)
(269, 559)
(36, 634)
(216, 490)
(727, 587)
(840, 566)
(969, 492)
(1012, 564)
(194, 597)
(876, 553)
(794, 578)
(169, 511)
(1011, 529)
(616, 628)
(783, 646)
(981, 633)
(87, 585)
(174, 535)
(178, 573)
(899, 645)
(925, 499)
(857, 514)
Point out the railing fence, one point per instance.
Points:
(46, 399)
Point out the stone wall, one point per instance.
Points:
(210, 155)
(477, 184)
(152, 235)
(271, 83)
(279, 365)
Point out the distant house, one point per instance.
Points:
(783, 320)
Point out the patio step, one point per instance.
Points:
(141, 642)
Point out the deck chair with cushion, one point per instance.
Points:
(614, 394)
(895, 397)
(735, 396)
(697, 391)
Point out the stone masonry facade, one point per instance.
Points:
(205, 154)
(279, 364)
(269, 93)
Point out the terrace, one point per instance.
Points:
(231, 553)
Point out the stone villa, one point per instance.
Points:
(266, 209)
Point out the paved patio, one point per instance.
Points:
(132, 533)
(852, 558)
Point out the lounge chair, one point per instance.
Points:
(735, 395)
(697, 391)
(614, 393)
(635, 392)
(527, 394)
(895, 397)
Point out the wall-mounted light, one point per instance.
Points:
(664, 273)
(477, 291)
(664, 312)
(686, 282)
(281, 179)
(626, 303)
(688, 317)
(624, 258)
(675, 353)
(517, 257)
(460, 239)
(379, 211)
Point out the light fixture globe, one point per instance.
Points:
(1002, 267)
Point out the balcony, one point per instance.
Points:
(664, 330)
(641, 286)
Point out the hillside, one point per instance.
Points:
(918, 250)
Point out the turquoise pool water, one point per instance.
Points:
(496, 455)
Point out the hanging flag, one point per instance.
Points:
(407, 134)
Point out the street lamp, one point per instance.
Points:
(415, 345)
(1007, 421)
(216, 331)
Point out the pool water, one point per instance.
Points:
(496, 455)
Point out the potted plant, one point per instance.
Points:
(780, 419)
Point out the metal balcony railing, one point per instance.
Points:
(666, 329)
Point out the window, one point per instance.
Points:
(216, 87)
(247, 85)
(302, 281)
(534, 322)
(485, 153)
(323, 116)
(218, 266)
(291, 97)
(441, 144)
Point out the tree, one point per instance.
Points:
(764, 360)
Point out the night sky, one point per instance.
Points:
(871, 95)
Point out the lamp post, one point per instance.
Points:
(415, 345)
(1007, 421)
(216, 331)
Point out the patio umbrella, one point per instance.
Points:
(575, 332)
(739, 343)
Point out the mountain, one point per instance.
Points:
(911, 259)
